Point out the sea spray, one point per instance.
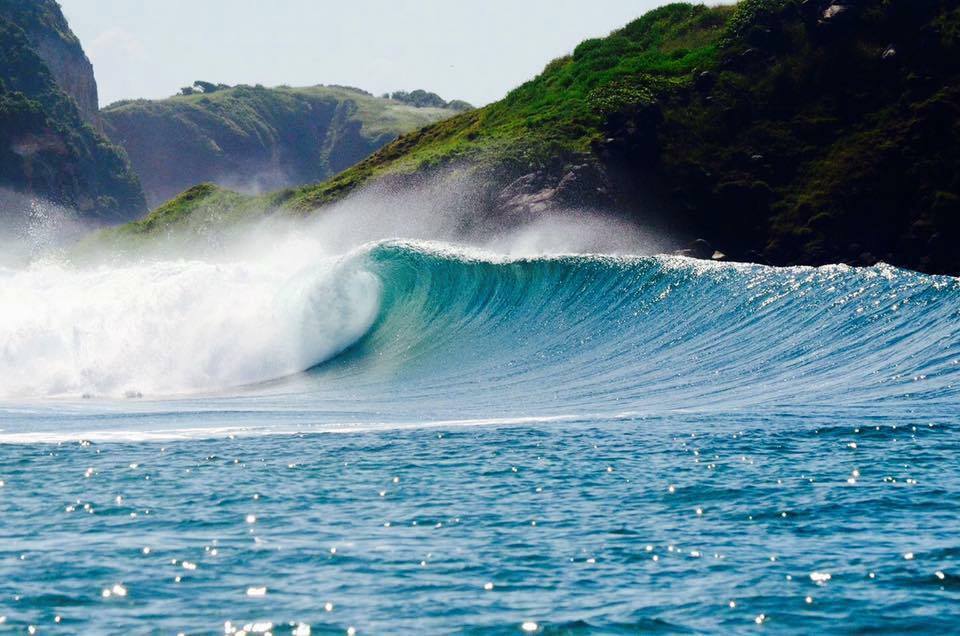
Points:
(166, 327)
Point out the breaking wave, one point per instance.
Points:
(429, 321)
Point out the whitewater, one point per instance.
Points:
(313, 434)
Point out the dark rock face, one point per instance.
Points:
(705, 81)
(527, 195)
(700, 249)
(551, 188)
(48, 148)
(830, 132)
(72, 72)
(45, 26)
(834, 13)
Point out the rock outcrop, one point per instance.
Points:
(50, 36)
(50, 147)
(552, 188)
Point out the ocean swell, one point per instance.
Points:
(569, 333)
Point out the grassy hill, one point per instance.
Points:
(254, 138)
(785, 131)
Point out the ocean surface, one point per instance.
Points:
(414, 437)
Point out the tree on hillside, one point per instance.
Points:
(205, 87)
(208, 87)
(420, 99)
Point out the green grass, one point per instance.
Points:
(245, 106)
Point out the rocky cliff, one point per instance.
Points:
(49, 143)
(51, 37)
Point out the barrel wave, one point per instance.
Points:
(466, 331)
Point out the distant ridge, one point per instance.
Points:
(253, 138)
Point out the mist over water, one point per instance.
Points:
(33, 229)
(171, 327)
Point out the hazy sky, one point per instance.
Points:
(475, 51)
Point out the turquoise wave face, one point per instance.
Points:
(569, 444)
(657, 333)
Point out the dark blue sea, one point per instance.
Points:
(415, 438)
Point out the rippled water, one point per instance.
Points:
(556, 445)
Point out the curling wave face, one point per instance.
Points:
(656, 332)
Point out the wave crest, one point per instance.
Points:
(569, 332)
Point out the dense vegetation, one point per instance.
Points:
(254, 138)
(425, 99)
(48, 148)
(827, 132)
(787, 131)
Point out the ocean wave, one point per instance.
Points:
(656, 332)
(174, 327)
(426, 321)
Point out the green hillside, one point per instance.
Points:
(256, 138)
(786, 131)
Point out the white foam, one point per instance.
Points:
(177, 326)
(126, 435)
